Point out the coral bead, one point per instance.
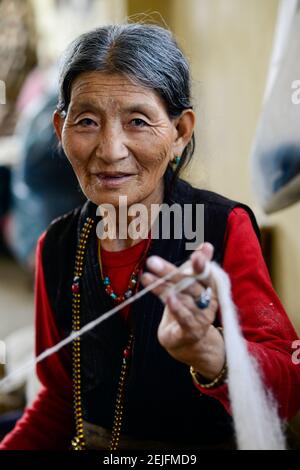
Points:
(126, 353)
(75, 288)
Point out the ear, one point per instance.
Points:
(58, 123)
(184, 126)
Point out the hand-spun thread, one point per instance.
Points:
(256, 421)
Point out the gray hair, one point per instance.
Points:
(147, 54)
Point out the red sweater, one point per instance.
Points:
(48, 423)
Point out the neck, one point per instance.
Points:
(143, 225)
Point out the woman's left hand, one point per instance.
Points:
(186, 331)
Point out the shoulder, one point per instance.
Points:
(240, 226)
(182, 191)
(65, 228)
(63, 224)
(239, 215)
(216, 206)
(221, 215)
(59, 238)
(57, 255)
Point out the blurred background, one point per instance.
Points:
(229, 44)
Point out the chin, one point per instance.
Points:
(112, 199)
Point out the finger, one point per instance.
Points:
(164, 289)
(161, 268)
(181, 329)
(199, 264)
(182, 314)
(148, 278)
(201, 315)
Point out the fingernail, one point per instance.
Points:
(154, 262)
(210, 245)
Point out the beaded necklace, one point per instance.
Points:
(131, 289)
(78, 442)
(132, 281)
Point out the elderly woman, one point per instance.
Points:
(149, 376)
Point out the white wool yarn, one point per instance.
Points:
(256, 421)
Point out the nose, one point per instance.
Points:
(111, 145)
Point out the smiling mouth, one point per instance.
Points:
(110, 175)
(112, 179)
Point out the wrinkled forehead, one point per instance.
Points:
(111, 90)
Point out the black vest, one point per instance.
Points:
(161, 400)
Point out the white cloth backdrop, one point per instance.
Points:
(275, 158)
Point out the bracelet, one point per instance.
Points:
(217, 381)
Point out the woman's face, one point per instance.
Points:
(119, 138)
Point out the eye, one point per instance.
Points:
(86, 122)
(137, 122)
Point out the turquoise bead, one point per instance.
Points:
(113, 296)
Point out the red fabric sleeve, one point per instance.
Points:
(265, 325)
(48, 423)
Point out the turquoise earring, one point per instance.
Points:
(177, 160)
